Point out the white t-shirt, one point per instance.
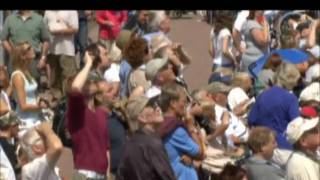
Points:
(217, 42)
(6, 170)
(301, 167)
(39, 169)
(236, 126)
(111, 75)
(57, 20)
(241, 18)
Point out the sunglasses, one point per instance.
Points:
(146, 50)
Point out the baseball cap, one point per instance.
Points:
(219, 77)
(9, 118)
(153, 67)
(136, 105)
(159, 41)
(311, 92)
(123, 39)
(298, 126)
(308, 111)
(217, 87)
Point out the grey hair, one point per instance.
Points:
(30, 138)
(287, 76)
(158, 17)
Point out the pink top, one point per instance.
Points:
(116, 17)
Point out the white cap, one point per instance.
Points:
(311, 92)
(298, 126)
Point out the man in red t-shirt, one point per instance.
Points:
(87, 123)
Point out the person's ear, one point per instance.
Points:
(302, 141)
(142, 119)
(173, 104)
(38, 149)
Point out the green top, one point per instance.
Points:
(33, 30)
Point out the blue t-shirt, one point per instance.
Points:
(125, 70)
(117, 135)
(177, 144)
(274, 109)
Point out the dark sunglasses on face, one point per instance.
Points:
(146, 50)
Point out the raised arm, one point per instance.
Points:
(261, 36)
(312, 36)
(82, 76)
(53, 143)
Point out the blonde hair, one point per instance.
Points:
(17, 62)
(239, 79)
(259, 137)
(287, 76)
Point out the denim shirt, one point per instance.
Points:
(177, 144)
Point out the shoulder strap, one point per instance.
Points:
(17, 72)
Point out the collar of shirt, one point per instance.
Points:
(263, 161)
(18, 15)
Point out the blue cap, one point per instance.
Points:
(293, 56)
(219, 77)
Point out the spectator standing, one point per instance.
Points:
(221, 43)
(63, 25)
(238, 97)
(145, 156)
(6, 170)
(1, 27)
(256, 34)
(137, 53)
(101, 62)
(262, 142)
(117, 125)
(125, 68)
(160, 73)
(177, 139)
(87, 124)
(5, 91)
(110, 24)
(24, 87)
(138, 23)
(277, 106)
(81, 38)
(26, 26)
(238, 38)
(42, 147)
(8, 131)
(234, 130)
(304, 135)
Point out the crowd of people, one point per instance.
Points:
(126, 112)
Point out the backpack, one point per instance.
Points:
(59, 123)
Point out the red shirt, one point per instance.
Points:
(116, 17)
(89, 133)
